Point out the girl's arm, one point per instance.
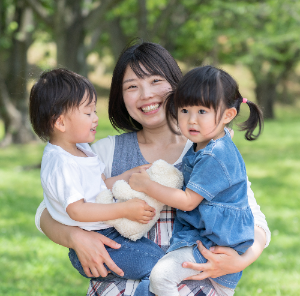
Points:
(184, 200)
(224, 260)
(134, 209)
(88, 245)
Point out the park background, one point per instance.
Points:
(257, 42)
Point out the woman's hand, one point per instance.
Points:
(90, 249)
(88, 245)
(138, 210)
(224, 260)
(220, 261)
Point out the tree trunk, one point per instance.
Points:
(14, 96)
(265, 91)
(69, 35)
(117, 38)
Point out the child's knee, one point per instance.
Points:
(159, 274)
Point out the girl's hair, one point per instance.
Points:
(212, 87)
(56, 92)
(155, 60)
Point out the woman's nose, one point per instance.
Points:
(146, 92)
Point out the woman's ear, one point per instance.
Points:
(60, 124)
(229, 114)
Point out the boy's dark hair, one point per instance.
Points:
(212, 87)
(56, 92)
(156, 60)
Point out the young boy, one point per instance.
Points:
(63, 112)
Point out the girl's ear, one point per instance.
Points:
(60, 124)
(229, 114)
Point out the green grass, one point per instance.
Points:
(33, 265)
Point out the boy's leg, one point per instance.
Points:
(168, 273)
(136, 259)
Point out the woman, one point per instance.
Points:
(143, 75)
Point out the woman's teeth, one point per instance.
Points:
(150, 108)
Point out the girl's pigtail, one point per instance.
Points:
(255, 118)
(171, 113)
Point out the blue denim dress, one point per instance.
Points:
(224, 217)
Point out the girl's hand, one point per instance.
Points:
(90, 249)
(138, 210)
(135, 170)
(221, 261)
(139, 181)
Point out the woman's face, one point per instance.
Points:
(144, 98)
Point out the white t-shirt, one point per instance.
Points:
(67, 178)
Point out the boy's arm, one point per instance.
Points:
(109, 182)
(134, 209)
(184, 200)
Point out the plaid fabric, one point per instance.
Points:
(160, 233)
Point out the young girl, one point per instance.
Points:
(213, 206)
(63, 111)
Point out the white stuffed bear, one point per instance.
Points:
(160, 172)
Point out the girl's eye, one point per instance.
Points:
(201, 111)
(184, 111)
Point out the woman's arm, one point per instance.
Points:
(224, 260)
(88, 245)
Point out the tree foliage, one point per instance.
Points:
(260, 34)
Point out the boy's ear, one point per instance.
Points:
(60, 124)
(229, 114)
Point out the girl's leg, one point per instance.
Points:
(168, 273)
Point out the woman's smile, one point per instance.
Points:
(149, 109)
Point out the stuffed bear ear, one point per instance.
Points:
(165, 174)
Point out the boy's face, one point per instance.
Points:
(81, 123)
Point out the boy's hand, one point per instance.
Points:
(138, 210)
(139, 181)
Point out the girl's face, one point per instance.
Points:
(144, 98)
(200, 124)
(81, 122)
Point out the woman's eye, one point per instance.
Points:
(131, 86)
(201, 111)
(156, 80)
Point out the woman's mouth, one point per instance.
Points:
(150, 108)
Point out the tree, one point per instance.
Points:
(16, 36)
(71, 22)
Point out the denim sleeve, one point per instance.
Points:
(209, 177)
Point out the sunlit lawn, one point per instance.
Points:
(33, 265)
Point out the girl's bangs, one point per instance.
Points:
(193, 94)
